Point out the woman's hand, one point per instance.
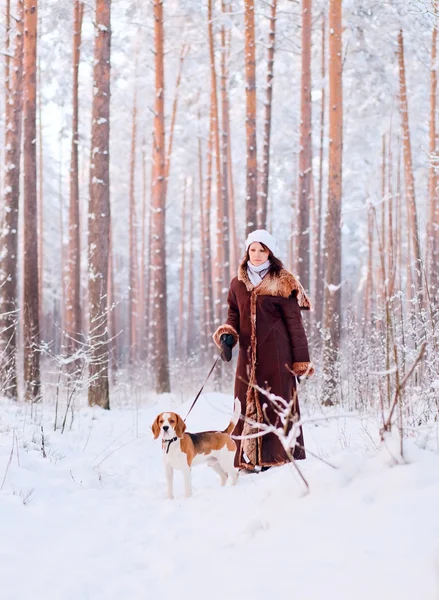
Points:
(227, 343)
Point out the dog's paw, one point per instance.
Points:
(169, 496)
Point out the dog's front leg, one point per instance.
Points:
(169, 481)
(187, 482)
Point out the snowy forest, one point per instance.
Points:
(141, 141)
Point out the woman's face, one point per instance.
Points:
(257, 254)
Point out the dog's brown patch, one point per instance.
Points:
(156, 426)
(204, 442)
(180, 426)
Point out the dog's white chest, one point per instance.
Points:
(174, 457)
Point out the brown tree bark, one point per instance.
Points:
(114, 329)
(433, 193)
(149, 300)
(142, 267)
(265, 167)
(40, 207)
(206, 304)
(99, 217)
(31, 325)
(381, 288)
(294, 242)
(7, 81)
(219, 260)
(305, 156)
(7, 53)
(332, 254)
(180, 344)
(9, 230)
(319, 285)
(250, 124)
(158, 238)
(234, 256)
(132, 232)
(408, 170)
(190, 328)
(73, 271)
(207, 263)
(369, 287)
(390, 222)
(183, 53)
(225, 140)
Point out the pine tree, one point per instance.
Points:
(305, 156)
(158, 223)
(9, 230)
(332, 253)
(99, 217)
(73, 275)
(250, 124)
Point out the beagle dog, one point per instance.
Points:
(182, 451)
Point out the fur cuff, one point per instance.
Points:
(225, 329)
(303, 368)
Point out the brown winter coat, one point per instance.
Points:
(267, 322)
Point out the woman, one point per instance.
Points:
(264, 315)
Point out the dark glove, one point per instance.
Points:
(227, 343)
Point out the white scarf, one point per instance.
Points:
(257, 274)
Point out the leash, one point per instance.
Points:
(169, 442)
(202, 387)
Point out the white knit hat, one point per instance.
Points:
(263, 237)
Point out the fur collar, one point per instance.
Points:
(283, 284)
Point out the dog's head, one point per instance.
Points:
(168, 425)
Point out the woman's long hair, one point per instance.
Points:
(276, 263)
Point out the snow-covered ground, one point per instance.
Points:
(90, 520)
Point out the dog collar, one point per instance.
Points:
(169, 442)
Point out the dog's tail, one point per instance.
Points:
(235, 418)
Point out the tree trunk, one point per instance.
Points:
(294, 244)
(73, 283)
(40, 207)
(142, 268)
(31, 326)
(183, 53)
(390, 226)
(205, 250)
(158, 238)
(133, 266)
(265, 167)
(99, 217)
(305, 156)
(250, 124)
(218, 274)
(9, 230)
(7, 86)
(113, 345)
(149, 301)
(225, 141)
(234, 257)
(433, 221)
(369, 291)
(408, 171)
(180, 344)
(207, 263)
(381, 288)
(332, 254)
(319, 266)
(190, 329)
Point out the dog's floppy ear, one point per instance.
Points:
(180, 428)
(156, 427)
